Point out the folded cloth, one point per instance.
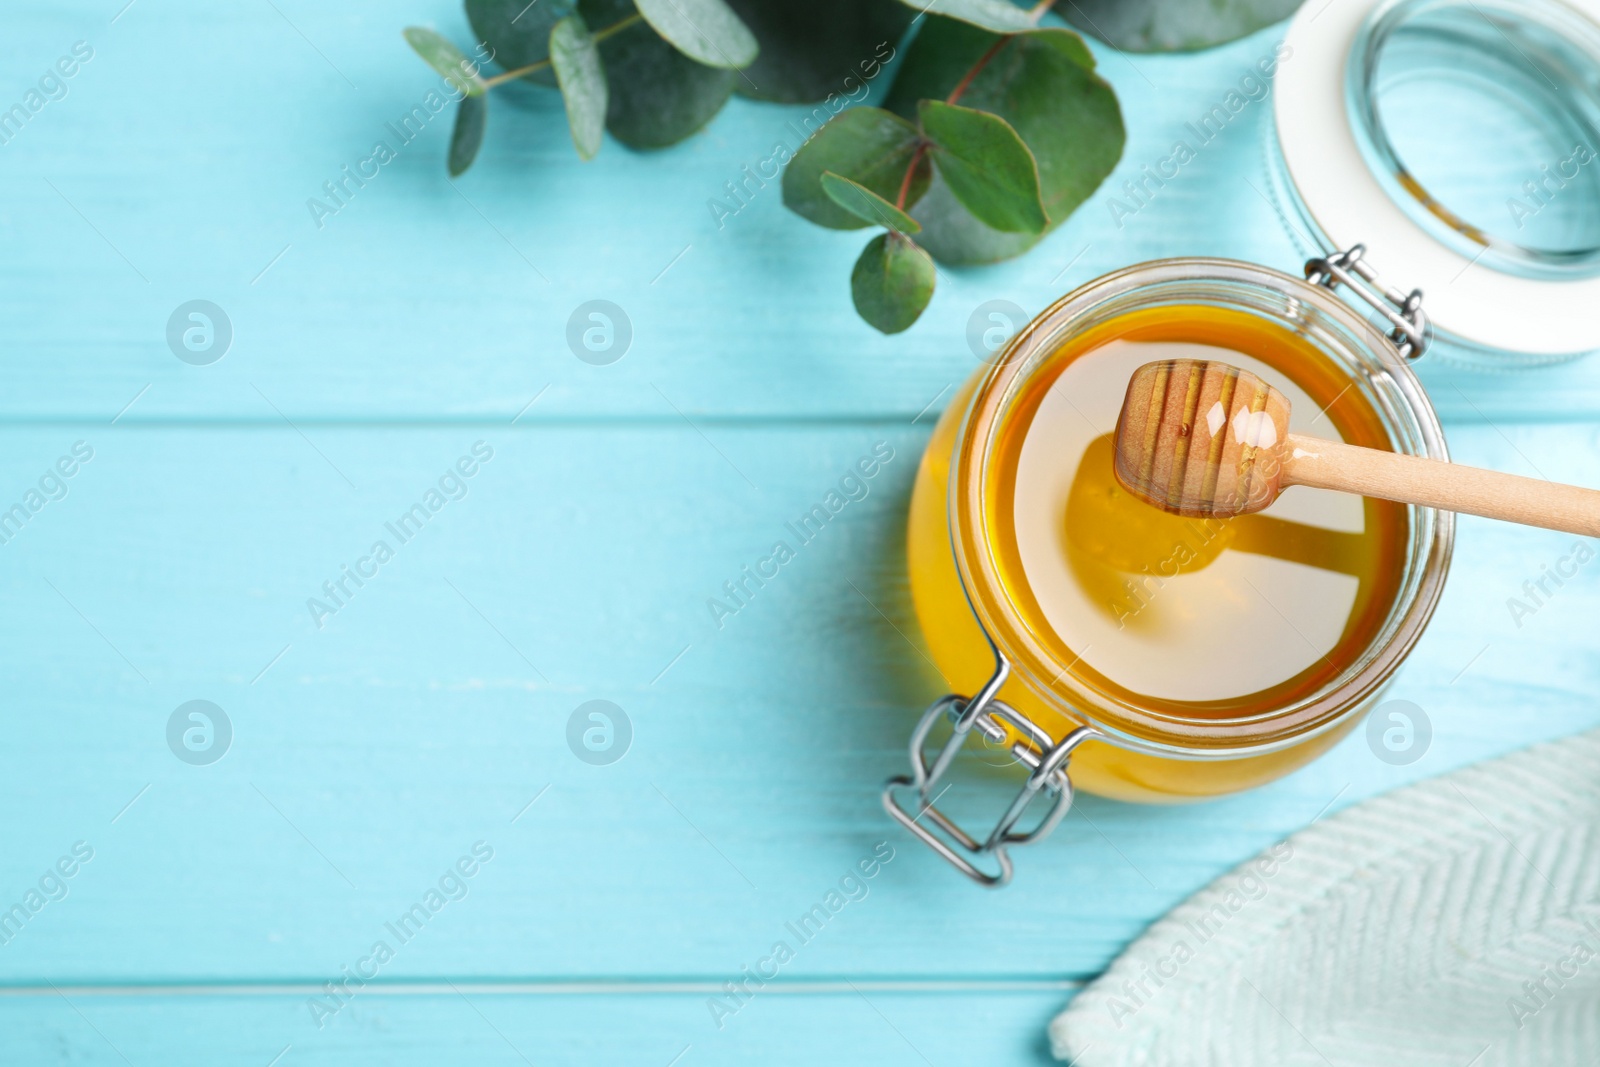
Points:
(1452, 922)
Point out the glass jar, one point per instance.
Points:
(983, 623)
(1346, 166)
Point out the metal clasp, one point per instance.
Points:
(1043, 756)
(1411, 332)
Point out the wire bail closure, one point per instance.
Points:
(1411, 333)
(1043, 756)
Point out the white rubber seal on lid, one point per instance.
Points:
(1466, 300)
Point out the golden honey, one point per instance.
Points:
(1209, 625)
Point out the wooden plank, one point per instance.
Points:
(431, 708)
(797, 1027)
(425, 300)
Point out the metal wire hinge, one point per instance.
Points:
(1411, 332)
(1043, 756)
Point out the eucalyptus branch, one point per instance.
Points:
(954, 97)
(905, 183)
(544, 64)
(512, 75)
(977, 68)
(677, 71)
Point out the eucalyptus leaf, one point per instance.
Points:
(656, 95)
(576, 59)
(1063, 41)
(517, 32)
(986, 165)
(472, 114)
(1172, 25)
(869, 146)
(892, 282)
(446, 59)
(1043, 84)
(706, 31)
(996, 15)
(866, 204)
(811, 48)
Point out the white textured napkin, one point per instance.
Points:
(1452, 922)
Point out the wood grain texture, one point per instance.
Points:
(798, 1028)
(1182, 447)
(427, 712)
(426, 300)
(1201, 438)
(1451, 486)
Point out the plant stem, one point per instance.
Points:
(618, 26)
(511, 75)
(977, 68)
(599, 35)
(1036, 12)
(955, 95)
(905, 183)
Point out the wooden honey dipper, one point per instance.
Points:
(1201, 438)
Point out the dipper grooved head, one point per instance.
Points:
(1201, 438)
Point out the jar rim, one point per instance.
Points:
(1300, 306)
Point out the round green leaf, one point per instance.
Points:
(892, 282)
(811, 48)
(986, 165)
(1172, 25)
(517, 32)
(865, 204)
(1043, 84)
(996, 15)
(467, 137)
(656, 96)
(576, 59)
(446, 59)
(706, 31)
(865, 144)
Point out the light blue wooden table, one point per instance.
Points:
(429, 713)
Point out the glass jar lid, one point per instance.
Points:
(1463, 150)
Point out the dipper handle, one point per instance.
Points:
(1202, 438)
(1435, 484)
